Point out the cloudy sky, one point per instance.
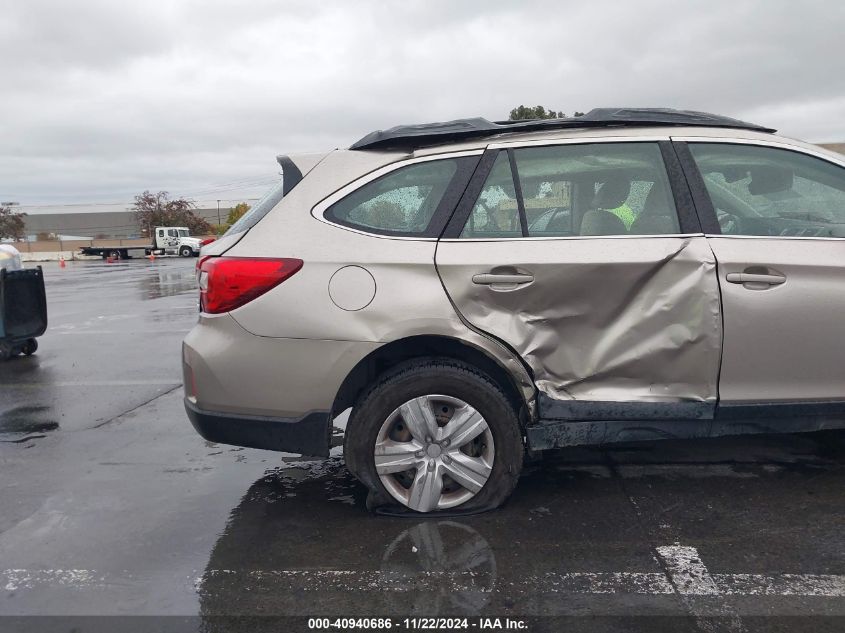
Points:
(103, 99)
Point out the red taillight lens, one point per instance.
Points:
(207, 240)
(227, 283)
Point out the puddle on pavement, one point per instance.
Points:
(167, 282)
(302, 533)
(26, 421)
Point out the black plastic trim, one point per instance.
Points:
(291, 174)
(551, 408)
(684, 203)
(548, 434)
(461, 212)
(410, 136)
(308, 435)
(464, 169)
(517, 188)
(701, 199)
(592, 423)
(753, 410)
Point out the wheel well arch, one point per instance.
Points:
(417, 347)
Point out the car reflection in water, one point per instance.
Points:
(301, 543)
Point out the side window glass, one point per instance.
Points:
(596, 189)
(769, 191)
(171, 232)
(401, 202)
(575, 190)
(496, 212)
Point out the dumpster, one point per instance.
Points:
(23, 311)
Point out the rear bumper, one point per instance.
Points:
(307, 435)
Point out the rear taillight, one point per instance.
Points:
(227, 283)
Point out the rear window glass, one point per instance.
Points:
(262, 208)
(402, 202)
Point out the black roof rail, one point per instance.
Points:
(411, 136)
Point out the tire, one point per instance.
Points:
(186, 251)
(30, 347)
(5, 352)
(450, 388)
(115, 254)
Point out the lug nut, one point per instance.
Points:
(419, 454)
(447, 459)
(430, 465)
(445, 442)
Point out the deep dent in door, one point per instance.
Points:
(626, 331)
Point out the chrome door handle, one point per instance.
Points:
(755, 278)
(492, 278)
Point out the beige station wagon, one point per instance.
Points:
(473, 290)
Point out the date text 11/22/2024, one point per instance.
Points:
(417, 624)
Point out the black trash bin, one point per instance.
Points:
(23, 311)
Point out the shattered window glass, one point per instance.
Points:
(768, 191)
(496, 213)
(403, 201)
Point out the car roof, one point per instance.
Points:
(427, 134)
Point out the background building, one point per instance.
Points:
(101, 221)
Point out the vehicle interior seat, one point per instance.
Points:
(599, 221)
(657, 217)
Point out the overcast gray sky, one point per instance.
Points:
(103, 99)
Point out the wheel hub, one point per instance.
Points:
(433, 450)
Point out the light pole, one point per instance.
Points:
(218, 213)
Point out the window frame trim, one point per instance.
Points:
(704, 203)
(441, 214)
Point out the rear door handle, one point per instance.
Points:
(755, 278)
(488, 279)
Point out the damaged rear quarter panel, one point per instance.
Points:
(605, 319)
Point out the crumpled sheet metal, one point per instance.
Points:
(620, 320)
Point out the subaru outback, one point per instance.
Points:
(475, 290)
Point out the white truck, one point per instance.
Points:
(167, 240)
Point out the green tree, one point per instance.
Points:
(157, 209)
(522, 113)
(12, 224)
(236, 213)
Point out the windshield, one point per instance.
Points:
(183, 233)
(262, 208)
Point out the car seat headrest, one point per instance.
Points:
(612, 193)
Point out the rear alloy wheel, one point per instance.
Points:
(435, 436)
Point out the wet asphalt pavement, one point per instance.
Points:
(111, 505)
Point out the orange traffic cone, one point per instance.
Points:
(152, 256)
(62, 262)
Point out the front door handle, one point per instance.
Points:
(755, 278)
(488, 279)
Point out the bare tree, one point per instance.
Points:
(157, 209)
(12, 224)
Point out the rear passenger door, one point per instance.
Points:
(777, 228)
(588, 260)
